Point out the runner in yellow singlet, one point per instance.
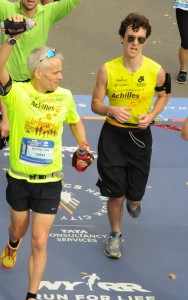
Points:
(124, 149)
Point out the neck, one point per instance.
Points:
(35, 83)
(132, 64)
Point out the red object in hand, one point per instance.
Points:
(81, 154)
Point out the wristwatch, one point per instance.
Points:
(11, 40)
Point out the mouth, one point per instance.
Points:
(133, 49)
(30, 2)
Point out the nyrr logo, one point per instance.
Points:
(91, 280)
(65, 290)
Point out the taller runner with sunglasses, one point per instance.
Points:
(125, 143)
(37, 111)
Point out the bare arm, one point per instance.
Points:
(184, 130)
(160, 103)
(4, 125)
(5, 51)
(121, 114)
(78, 131)
(99, 93)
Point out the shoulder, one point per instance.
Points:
(150, 64)
(115, 61)
(63, 91)
(114, 64)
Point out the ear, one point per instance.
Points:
(37, 73)
(121, 40)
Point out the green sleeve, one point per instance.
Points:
(59, 9)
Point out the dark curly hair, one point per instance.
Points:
(135, 21)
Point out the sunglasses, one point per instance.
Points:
(49, 54)
(131, 39)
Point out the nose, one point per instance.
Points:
(60, 76)
(135, 42)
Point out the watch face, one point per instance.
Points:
(12, 41)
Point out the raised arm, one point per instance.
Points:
(5, 51)
(59, 9)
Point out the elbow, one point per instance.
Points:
(93, 108)
(184, 136)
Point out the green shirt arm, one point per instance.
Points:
(59, 9)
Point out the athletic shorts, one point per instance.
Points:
(182, 21)
(42, 198)
(123, 162)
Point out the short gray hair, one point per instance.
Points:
(37, 55)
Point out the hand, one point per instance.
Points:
(120, 113)
(144, 121)
(81, 164)
(16, 25)
(16, 19)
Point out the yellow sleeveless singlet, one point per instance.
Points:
(134, 90)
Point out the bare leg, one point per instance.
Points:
(115, 213)
(41, 225)
(183, 58)
(19, 224)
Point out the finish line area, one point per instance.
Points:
(154, 258)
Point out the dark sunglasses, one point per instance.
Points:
(131, 39)
(49, 54)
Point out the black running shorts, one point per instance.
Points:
(182, 21)
(42, 198)
(123, 162)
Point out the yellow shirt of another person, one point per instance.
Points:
(36, 127)
(135, 90)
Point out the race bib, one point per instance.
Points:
(36, 152)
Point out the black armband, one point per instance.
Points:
(5, 89)
(166, 86)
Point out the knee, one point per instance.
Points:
(39, 244)
(118, 202)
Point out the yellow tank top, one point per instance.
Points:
(134, 90)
